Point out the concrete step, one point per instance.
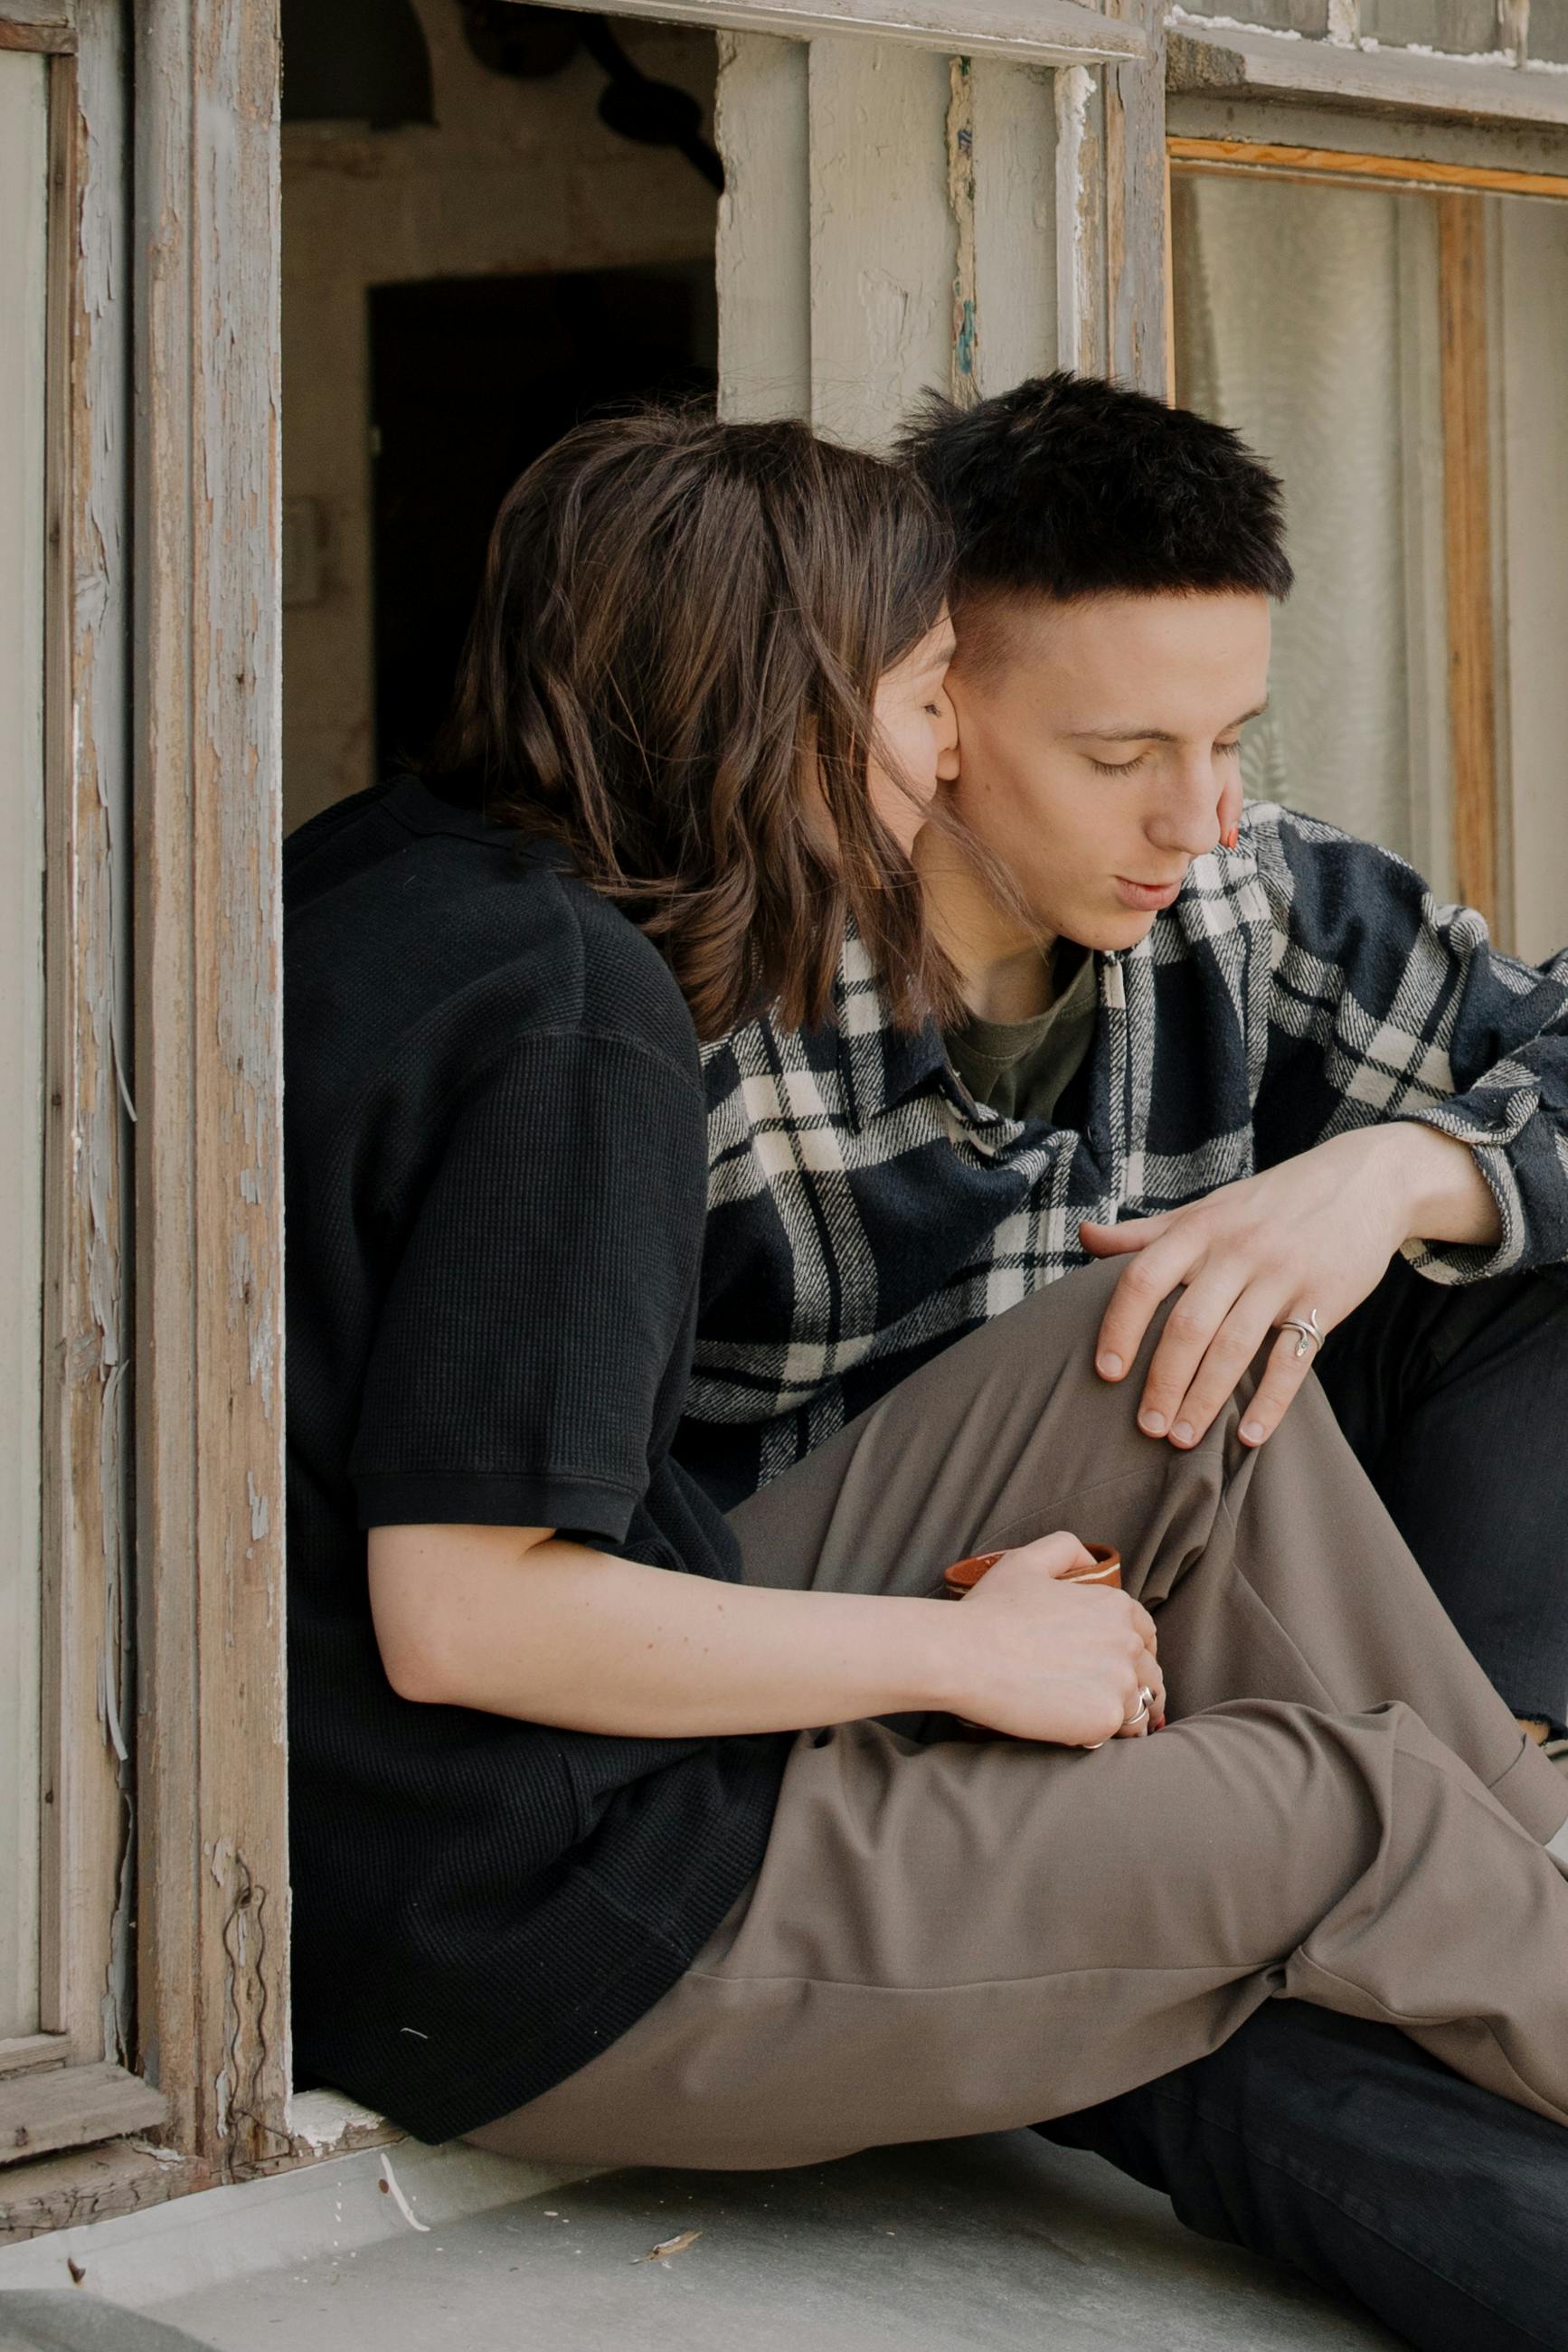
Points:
(984, 2245)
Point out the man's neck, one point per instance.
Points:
(1004, 967)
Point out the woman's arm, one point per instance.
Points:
(514, 1620)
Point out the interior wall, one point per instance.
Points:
(516, 176)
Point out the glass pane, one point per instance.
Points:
(1307, 317)
(1460, 27)
(23, 185)
(1308, 16)
(1530, 267)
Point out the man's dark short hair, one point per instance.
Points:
(1068, 487)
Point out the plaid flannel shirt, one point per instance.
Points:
(864, 1212)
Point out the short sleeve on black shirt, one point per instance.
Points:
(525, 1357)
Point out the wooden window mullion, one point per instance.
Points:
(1468, 540)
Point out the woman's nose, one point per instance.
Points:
(947, 743)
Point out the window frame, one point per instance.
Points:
(1480, 813)
(183, 688)
(63, 2084)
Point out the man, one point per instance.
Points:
(1275, 1074)
(1271, 1072)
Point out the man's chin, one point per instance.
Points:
(1111, 933)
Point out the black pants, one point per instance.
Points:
(1455, 1405)
(1338, 2147)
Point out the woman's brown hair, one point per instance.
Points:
(670, 672)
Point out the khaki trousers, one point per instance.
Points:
(951, 1937)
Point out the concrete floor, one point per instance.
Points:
(989, 2246)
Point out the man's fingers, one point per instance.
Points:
(1189, 1334)
(1120, 1241)
(1280, 1384)
(1235, 1346)
(1144, 1282)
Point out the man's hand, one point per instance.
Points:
(1317, 1232)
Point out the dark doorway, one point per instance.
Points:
(470, 379)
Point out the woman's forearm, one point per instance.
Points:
(516, 1622)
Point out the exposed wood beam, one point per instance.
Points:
(40, 2113)
(1467, 531)
(38, 40)
(1284, 162)
(1047, 31)
(1135, 199)
(86, 1686)
(213, 1957)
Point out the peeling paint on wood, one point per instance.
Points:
(88, 1684)
(212, 1958)
(1014, 221)
(1048, 31)
(964, 359)
(1081, 221)
(763, 257)
(24, 271)
(883, 257)
(1241, 64)
(1135, 199)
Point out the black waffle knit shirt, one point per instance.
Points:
(495, 1174)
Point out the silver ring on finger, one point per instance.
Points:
(1309, 1333)
(1145, 1701)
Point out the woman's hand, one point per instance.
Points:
(1052, 1661)
(1316, 1233)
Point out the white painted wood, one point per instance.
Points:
(883, 248)
(1534, 525)
(1049, 31)
(1080, 220)
(24, 191)
(1241, 63)
(763, 250)
(1421, 137)
(316, 2213)
(1015, 222)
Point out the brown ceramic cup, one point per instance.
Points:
(965, 1574)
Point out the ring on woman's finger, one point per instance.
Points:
(1145, 1701)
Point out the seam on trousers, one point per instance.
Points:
(1231, 1972)
(1525, 1747)
(1277, 2161)
(1409, 2020)
(1058, 1500)
(1331, 1705)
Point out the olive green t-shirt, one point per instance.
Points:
(1023, 1069)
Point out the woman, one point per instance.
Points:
(578, 1869)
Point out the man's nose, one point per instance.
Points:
(1186, 814)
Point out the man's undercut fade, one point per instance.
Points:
(1068, 488)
